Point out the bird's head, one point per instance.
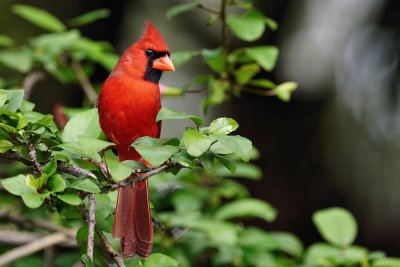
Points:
(149, 56)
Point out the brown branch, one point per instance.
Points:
(32, 155)
(84, 81)
(224, 26)
(14, 238)
(101, 165)
(29, 82)
(28, 223)
(31, 248)
(110, 250)
(91, 221)
(135, 177)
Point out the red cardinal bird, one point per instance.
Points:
(128, 105)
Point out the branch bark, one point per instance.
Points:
(110, 250)
(16, 238)
(91, 220)
(31, 248)
(85, 82)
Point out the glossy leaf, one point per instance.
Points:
(86, 185)
(336, 225)
(160, 260)
(50, 167)
(248, 27)
(83, 124)
(223, 126)
(247, 208)
(56, 183)
(195, 142)
(181, 8)
(70, 198)
(237, 144)
(39, 17)
(5, 145)
(215, 59)
(17, 59)
(266, 56)
(90, 17)
(14, 97)
(247, 71)
(33, 201)
(284, 90)
(169, 114)
(17, 185)
(182, 57)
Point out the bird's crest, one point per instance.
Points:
(153, 37)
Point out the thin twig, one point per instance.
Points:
(32, 155)
(28, 223)
(259, 91)
(110, 250)
(101, 165)
(84, 81)
(31, 248)
(14, 238)
(209, 9)
(224, 26)
(91, 220)
(29, 82)
(62, 166)
(130, 181)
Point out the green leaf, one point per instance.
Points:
(243, 170)
(387, 262)
(6, 41)
(239, 145)
(17, 59)
(83, 124)
(217, 90)
(91, 146)
(195, 142)
(288, 243)
(70, 198)
(15, 98)
(36, 183)
(182, 57)
(207, 160)
(17, 185)
(5, 145)
(39, 17)
(56, 183)
(319, 253)
(33, 201)
(266, 56)
(50, 168)
(8, 128)
(271, 23)
(153, 150)
(247, 71)
(86, 185)
(247, 208)
(90, 17)
(86, 260)
(223, 126)
(263, 83)
(160, 260)
(169, 114)
(229, 164)
(119, 170)
(284, 90)
(215, 59)
(181, 8)
(248, 27)
(336, 225)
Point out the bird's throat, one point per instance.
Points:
(152, 75)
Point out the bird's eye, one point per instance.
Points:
(149, 52)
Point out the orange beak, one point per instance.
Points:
(163, 63)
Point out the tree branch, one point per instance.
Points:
(85, 82)
(21, 237)
(31, 248)
(135, 177)
(91, 220)
(110, 250)
(29, 82)
(62, 166)
(32, 155)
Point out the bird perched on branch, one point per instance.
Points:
(128, 105)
